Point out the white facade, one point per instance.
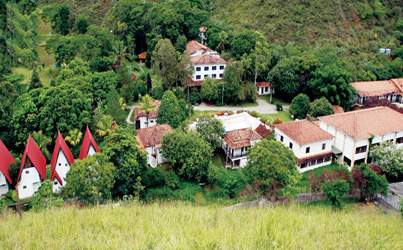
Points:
(29, 183)
(263, 90)
(238, 156)
(62, 167)
(143, 122)
(214, 71)
(3, 184)
(91, 151)
(393, 98)
(154, 156)
(356, 151)
(307, 150)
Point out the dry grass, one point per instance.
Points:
(182, 226)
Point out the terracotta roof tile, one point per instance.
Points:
(303, 132)
(337, 109)
(143, 55)
(399, 84)
(193, 46)
(241, 138)
(207, 59)
(263, 84)
(361, 124)
(152, 136)
(375, 88)
(152, 115)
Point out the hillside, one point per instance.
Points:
(181, 226)
(366, 25)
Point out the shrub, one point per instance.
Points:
(279, 106)
(153, 177)
(277, 121)
(172, 180)
(335, 191)
(369, 182)
(300, 106)
(321, 107)
(194, 98)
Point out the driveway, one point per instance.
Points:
(262, 108)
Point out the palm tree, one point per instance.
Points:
(119, 53)
(105, 125)
(42, 141)
(222, 40)
(147, 105)
(74, 137)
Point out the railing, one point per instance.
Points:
(232, 156)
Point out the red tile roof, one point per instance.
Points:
(207, 59)
(35, 156)
(361, 124)
(152, 136)
(263, 84)
(337, 109)
(399, 84)
(193, 46)
(87, 142)
(241, 138)
(202, 29)
(152, 115)
(143, 55)
(303, 132)
(60, 145)
(6, 159)
(376, 88)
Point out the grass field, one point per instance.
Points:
(184, 226)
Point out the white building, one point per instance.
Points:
(354, 132)
(264, 88)
(32, 171)
(311, 145)
(62, 159)
(143, 120)
(206, 62)
(5, 160)
(89, 146)
(391, 90)
(150, 140)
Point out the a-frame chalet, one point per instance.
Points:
(32, 171)
(62, 159)
(89, 146)
(5, 160)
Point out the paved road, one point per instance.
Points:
(262, 108)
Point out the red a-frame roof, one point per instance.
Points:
(87, 142)
(60, 145)
(114, 125)
(35, 155)
(6, 160)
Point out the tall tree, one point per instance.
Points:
(212, 130)
(119, 53)
(35, 81)
(147, 105)
(233, 79)
(169, 111)
(81, 24)
(300, 106)
(61, 20)
(211, 90)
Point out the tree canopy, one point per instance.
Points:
(212, 130)
(300, 106)
(321, 107)
(169, 112)
(388, 157)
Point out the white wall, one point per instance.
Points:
(208, 73)
(29, 183)
(91, 151)
(143, 122)
(158, 158)
(262, 90)
(62, 168)
(3, 184)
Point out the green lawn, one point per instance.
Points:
(218, 159)
(275, 100)
(45, 74)
(284, 116)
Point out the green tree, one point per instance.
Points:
(388, 157)
(169, 112)
(321, 107)
(369, 182)
(61, 20)
(222, 40)
(243, 43)
(270, 160)
(300, 106)
(188, 154)
(335, 190)
(35, 81)
(128, 158)
(119, 53)
(8, 95)
(147, 105)
(81, 24)
(42, 141)
(333, 83)
(74, 137)
(233, 78)
(90, 178)
(211, 130)
(105, 126)
(211, 90)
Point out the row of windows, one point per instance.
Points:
(307, 150)
(198, 77)
(315, 162)
(207, 68)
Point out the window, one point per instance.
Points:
(220, 75)
(290, 145)
(27, 172)
(399, 140)
(391, 140)
(198, 77)
(55, 182)
(214, 68)
(24, 187)
(60, 164)
(281, 138)
(323, 146)
(361, 149)
(65, 164)
(222, 67)
(375, 144)
(198, 68)
(347, 160)
(319, 161)
(206, 68)
(307, 150)
(312, 163)
(266, 89)
(205, 76)
(214, 76)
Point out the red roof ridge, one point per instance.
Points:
(6, 159)
(87, 142)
